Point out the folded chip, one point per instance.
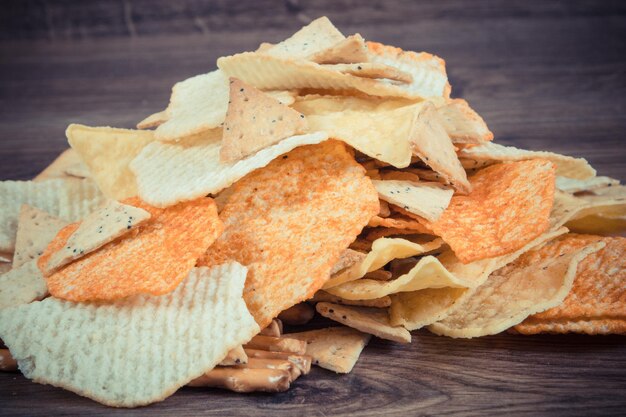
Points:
(135, 351)
(35, 230)
(153, 259)
(291, 221)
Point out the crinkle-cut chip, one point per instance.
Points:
(374, 321)
(197, 104)
(572, 185)
(398, 222)
(348, 258)
(334, 348)
(168, 173)
(426, 199)
(489, 153)
(68, 198)
(135, 351)
(100, 227)
(313, 38)
(417, 309)
(35, 229)
(431, 143)
(323, 296)
(428, 71)
(350, 50)
(107, 152)
(268, 72)
(58, 167)
(462, 123)
(599, 289)
(383, 251)
(310, 204)
(506, 300)
(22, 285)
(154, 120)
(153, 259)
(254, 121)
(371, 70)
(592, 326)
(509, 206)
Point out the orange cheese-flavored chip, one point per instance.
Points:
(508, 207)
(598, 295)
(290, 222)
(152, 260)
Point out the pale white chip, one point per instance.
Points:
(134, 351)
(488, 153)
(371, 70)
(96, 230)
(70, 199)
(572, 185)
(462, 123)
(426, 199)
(35, 229)
(197, 105)
(350, 50)
(168, 173)
(317, 36)
(22, 285)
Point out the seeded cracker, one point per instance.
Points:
(425, 199)
(171, 339)
(22, 285)
(153, 259)
(35, 230)
(313, 38)
(309, 204)
(255, 121)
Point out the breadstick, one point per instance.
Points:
(275, 328)
(299, 314)
(302, 362)
(7, 363)
(235, 356)
(283, 364)
(244, 379)
(277, 344)
(323, 296)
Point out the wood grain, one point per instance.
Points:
(544, 75)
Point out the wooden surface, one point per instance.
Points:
(544, 75)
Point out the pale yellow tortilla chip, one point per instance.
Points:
(426, 199)
(313, 38)
(350, 50)
(107, 152)
(371, 70)
(22, 285)
(35, 229)
(462, 123)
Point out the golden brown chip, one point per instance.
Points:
(291, 221)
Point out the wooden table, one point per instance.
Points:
(544, 75)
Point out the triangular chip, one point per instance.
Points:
(334, 348)
(107, 152)
(134, 351)
(317, 36)
(371, 70)
(425, 199)
(68, 198)
(153, 259)
(509, 206)
(168, 173)
(431, 143)
(510, 296)
(22, 285)
(100, 227)
(374, 321)
(35, 229)
(308, 205)
(489, 153)
(350, 50)
(255, 121)
(573, 185)
(462, 123)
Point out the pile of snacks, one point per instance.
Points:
(323, 174)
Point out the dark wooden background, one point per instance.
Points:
(544, 75)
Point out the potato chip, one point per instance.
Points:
(506, 300)
(68, 198)
(154, 120)
(321, 104)
(508, 207)
(371, 70)
(152, 260)
(431, 143)
(323, 296)
(387, 175)
(426, 199)
(255, 121)
(594, 326)
(100, 227)
(35, 230)
(109, 351)
(309, 204)
(367, 320)
(78, 170)
(58, 167)
(348, 258)
(21, 285)
(489, 153)
(573, 185)
(107, 152)
(313, 38)
(399, 222)
(462, 123)
(334, 348)
(350, 50)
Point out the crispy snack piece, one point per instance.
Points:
(244, 379)
(426, 199)
(236, 356)
(371, 70)
(573, 185)
(323, 296)
(22, 285)
(367, 320)
(508, 207)
(399, 222)
(297, 315)
(320, 200)
(274, 329)
(276, 344)
(350, 50)
(93, 358)
(598, 294)
(154, 120)
(511, 295)
(104, 225)
(254, 121)
(302, 362)
(58, 167)
(35, 230)
(334, 348)
(107, 152)
(153, 260)
(462, 123)
(317, 36)
(348, 258)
